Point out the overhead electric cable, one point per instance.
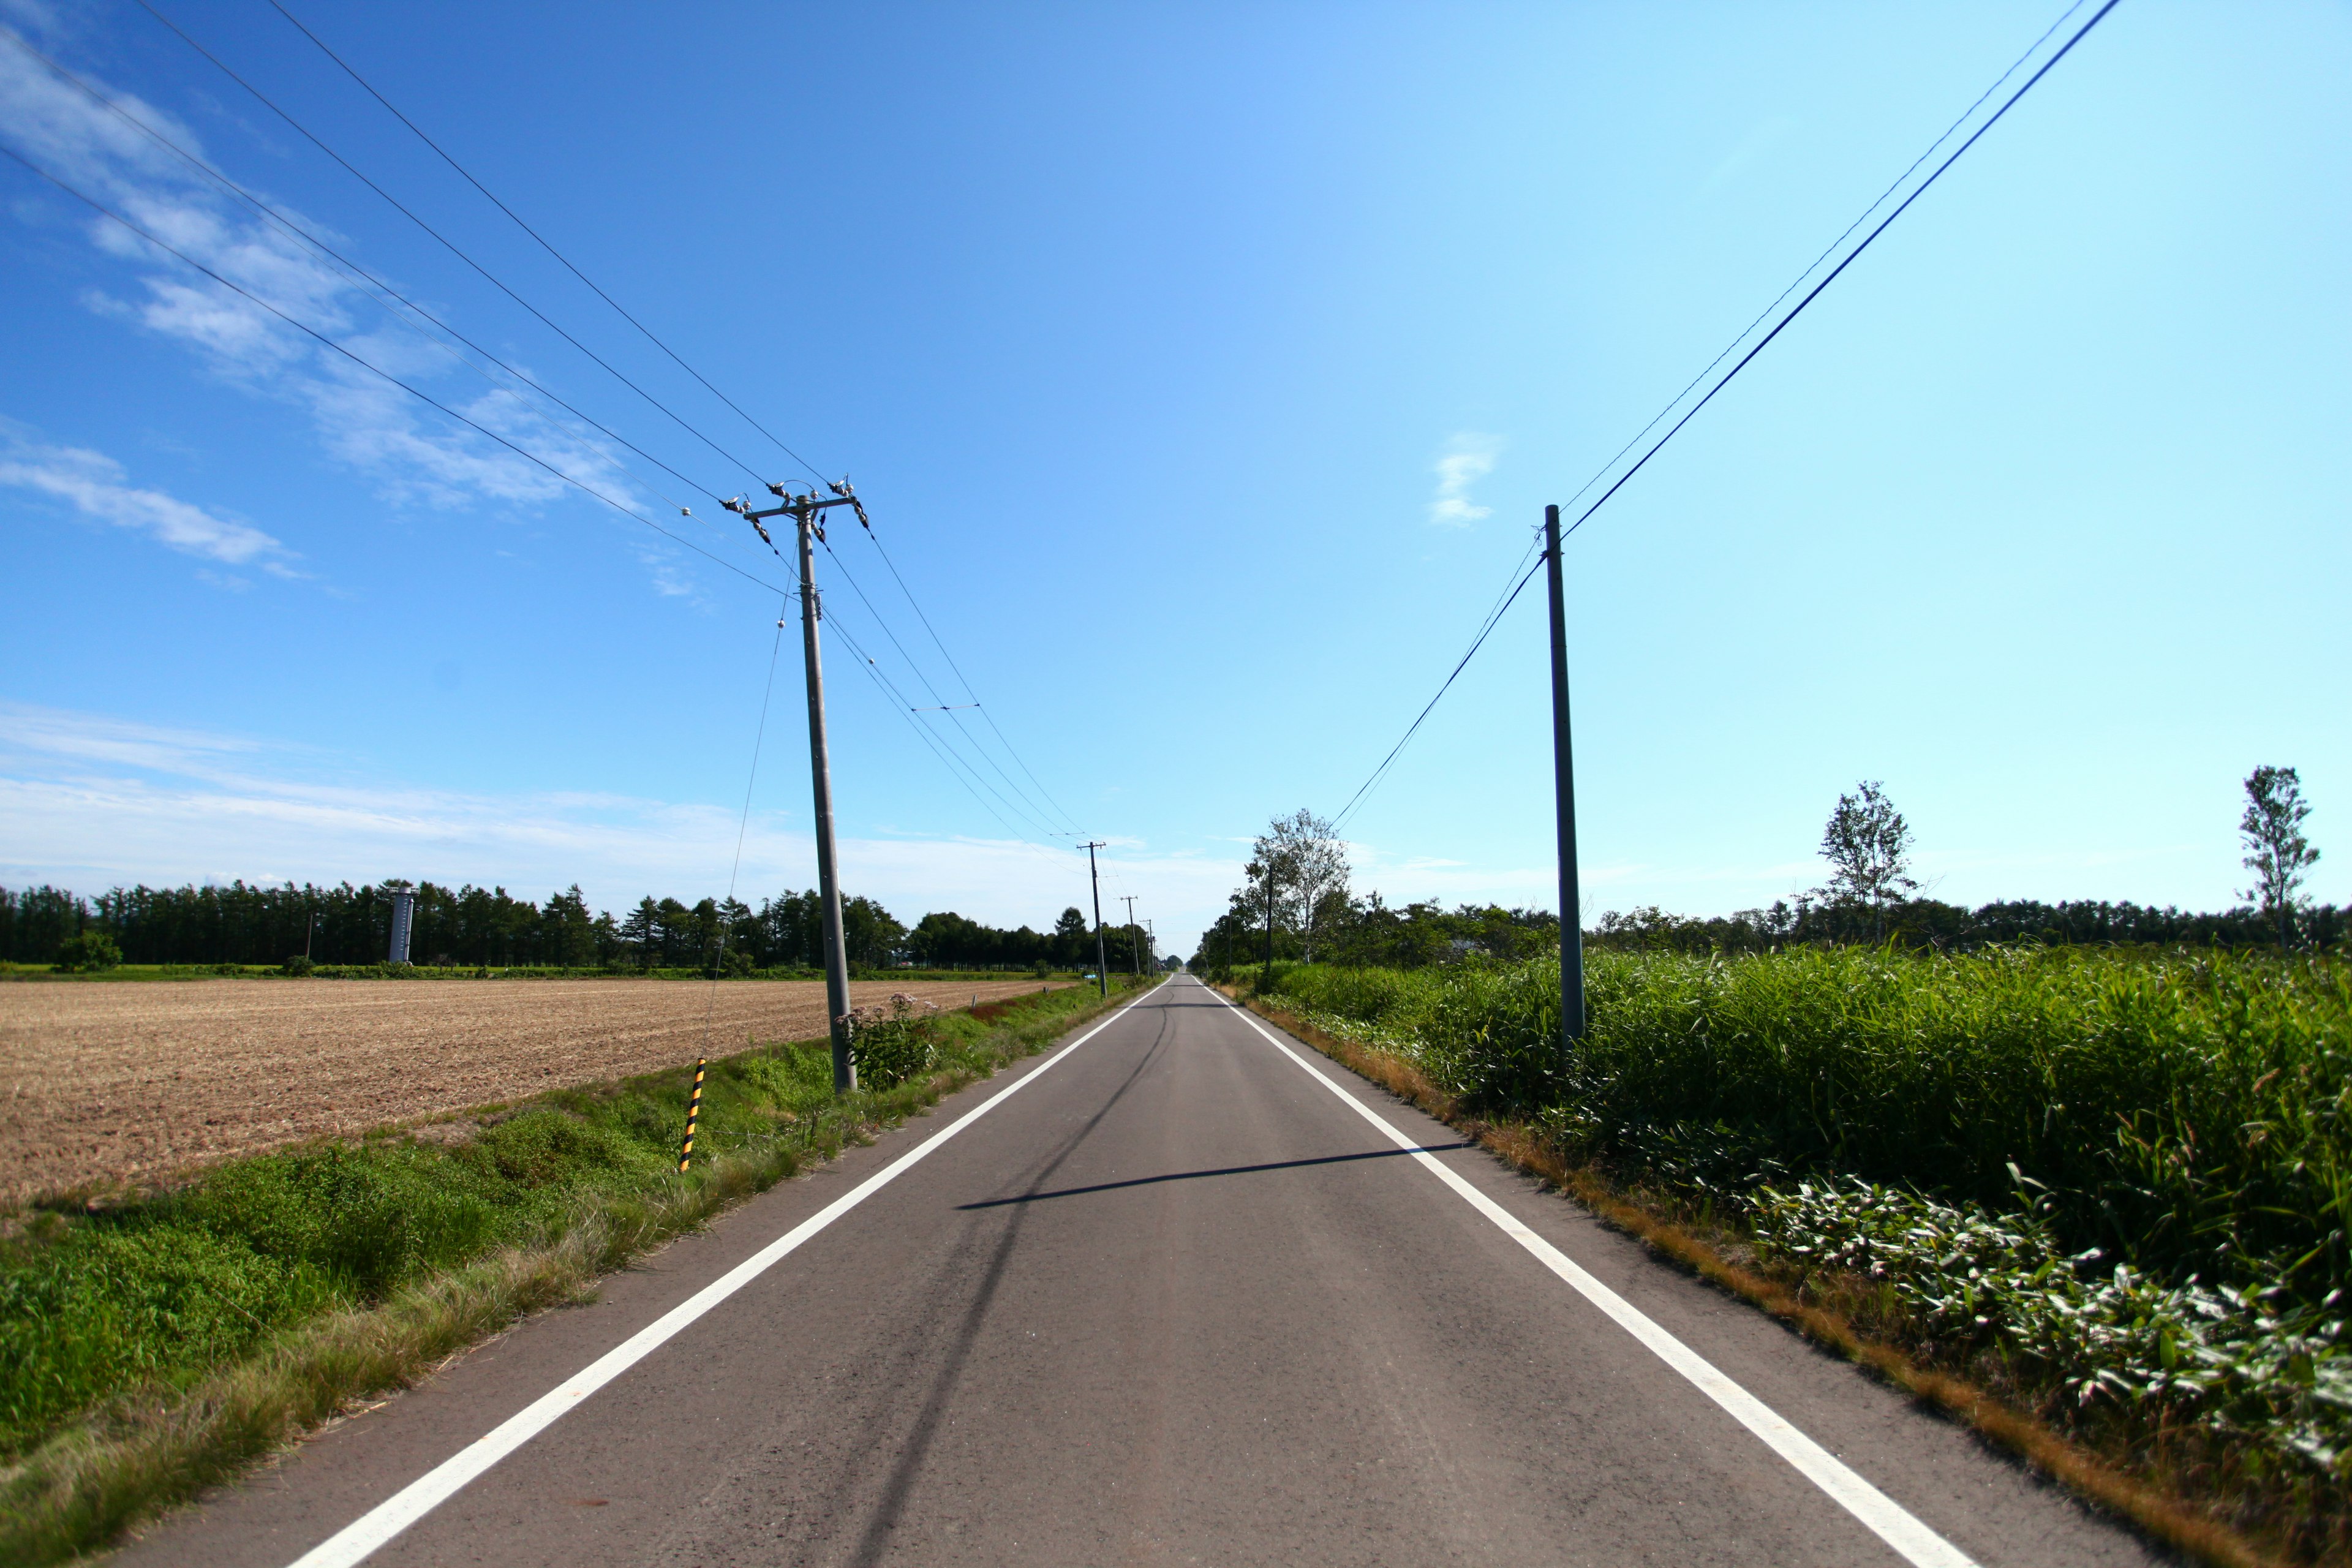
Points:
(1798, 281)
(449, 244)
(875, 540)
(743, 829)
(1494, 618)
(1027, 810)
(1957, 153)
(957, 767)
(536, 235)
(530, 457)
(288, 225)
(1765, 341)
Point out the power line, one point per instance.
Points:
(530, 457)
(1494, 616)
(536, 235)
(1827, 251)
(978, 749)
(446, 243)
(288, 225)
(875, 540)
(1851, 256)
(959, 770)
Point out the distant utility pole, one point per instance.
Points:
(1102, 970)
(1269, 921)
(1563, 769)
(1134, 950)
(1151, 940)
(807, 511)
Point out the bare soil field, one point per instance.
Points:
(128, 1082)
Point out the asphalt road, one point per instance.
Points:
(1173, 1296)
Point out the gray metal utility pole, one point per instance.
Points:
(1563, 767)
(1134, 948)
(1269, 919)
(806, 511)
(1102, 970)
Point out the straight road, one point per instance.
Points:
(1173, 1296)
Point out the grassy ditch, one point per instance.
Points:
(2105, 1195)
(151, 1347)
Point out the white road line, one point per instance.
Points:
(1885, 1517)
(356, 1541)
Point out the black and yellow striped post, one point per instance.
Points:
(693, 1109)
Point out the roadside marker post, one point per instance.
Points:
(693, 1111)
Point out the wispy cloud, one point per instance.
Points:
(94, 485)
(413, 454)
(1469, 457)
(93, 801)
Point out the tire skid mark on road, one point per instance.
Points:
(1881, 1514)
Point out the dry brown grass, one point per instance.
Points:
(2167, 1519)
(104, 1084)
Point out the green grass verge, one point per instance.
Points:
(2110, 1188)
(154, 1347)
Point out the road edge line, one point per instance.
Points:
(1881, 1514)
(359, 1539)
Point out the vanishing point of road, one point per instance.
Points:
(1179, 1289)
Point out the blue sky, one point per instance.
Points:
(1204, 370)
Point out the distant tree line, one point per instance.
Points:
(471, 926)
(948, 940)
(1296, 903)
(1930, 922)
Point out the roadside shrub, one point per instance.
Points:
(87, 953)
(894, 1041)
(296, 964)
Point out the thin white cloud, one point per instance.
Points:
(1469, 457)
(93, 801)
(413, 454)
(93, 484)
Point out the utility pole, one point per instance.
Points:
(1151, 939)
(1563, 768)
(1134, 948)
(1102, 970)
(807, 511)
(1269, 922)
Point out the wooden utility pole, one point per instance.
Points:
(1134, 948)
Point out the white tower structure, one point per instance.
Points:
(403, 910)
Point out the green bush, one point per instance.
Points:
(894, 1041)
(87, 953)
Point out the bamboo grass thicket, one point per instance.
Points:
(2187, 1112)
(2109, 1185)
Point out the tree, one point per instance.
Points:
(1310, 865)
(2277, 853)
(1868, 846)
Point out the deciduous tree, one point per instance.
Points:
(2277, 852)
(1868, 846)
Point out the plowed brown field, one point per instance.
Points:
(137, 1080)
